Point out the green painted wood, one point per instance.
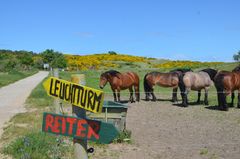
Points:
(85, 129)
(108, 104)
(112, 112)
(103, 116)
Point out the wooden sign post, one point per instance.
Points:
(56, 101)
(80, 145)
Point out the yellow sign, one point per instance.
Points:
(84, 97)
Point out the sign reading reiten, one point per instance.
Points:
(79, 128)
(84, 97)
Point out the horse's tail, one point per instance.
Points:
(137, 87)
(219, 84)
(147, 87)
(181, 84)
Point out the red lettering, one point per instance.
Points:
(93, 129)
(56, 125)
(71, 121)
(81, 128)
(63, 125)
(49, 122)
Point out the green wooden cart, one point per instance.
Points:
(112, 112)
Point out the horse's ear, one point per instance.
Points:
(108, 75)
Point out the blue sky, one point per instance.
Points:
(205, 30)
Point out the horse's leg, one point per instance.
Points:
(131, 95)
(222, 100)
(233, 96)
(206, 96)
(137, 94)
(174, 94)
(153, 96)
(186, 97)
(182, 89)
(118, 95)
(220, 95)
(185, 101)
(147, 95)
(225, 106)
(114, 95)
(238, 98)
(199, 96)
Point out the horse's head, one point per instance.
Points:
(108, 77)
(103, 80)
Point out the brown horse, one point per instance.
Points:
(162, 79)
(170, 79)
(120, 81)
(226, 83)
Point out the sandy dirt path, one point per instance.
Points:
(13, 96)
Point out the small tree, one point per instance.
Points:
(26, 59)
(112, 53)
(54, 58)
(59, 62)
(236, 56)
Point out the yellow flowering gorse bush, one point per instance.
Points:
(186, 64)
(98, 61)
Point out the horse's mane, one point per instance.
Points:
(112, 72)
(211, 72)
(183, 70)
(236, 69)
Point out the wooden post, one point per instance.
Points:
(56, 101)
(80, 146)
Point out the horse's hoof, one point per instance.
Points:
(231, 105)
(206, 103)
(184, 105)
(224, 108)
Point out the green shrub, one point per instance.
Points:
(124, 137)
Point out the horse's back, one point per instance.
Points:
(197, 80)
(130, 78)
(165, 79)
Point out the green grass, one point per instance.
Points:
(204, 151)
(39, 98)
(13, 76)
(124, 137)
(38, 145)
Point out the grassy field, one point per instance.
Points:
(23, 133)
(12, 76)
